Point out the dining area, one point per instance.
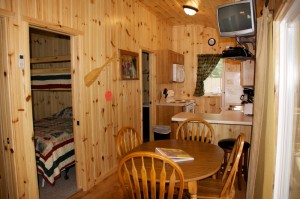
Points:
(212, 172)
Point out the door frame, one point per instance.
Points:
(9, 163)
(152, 90)
(75, 50)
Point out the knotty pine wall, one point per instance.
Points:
(7, 163)
(97, 29)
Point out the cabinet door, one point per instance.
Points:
(165, 61)
(247, 73)
(162, 68)
(180, 58)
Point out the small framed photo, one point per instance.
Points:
(129, 64)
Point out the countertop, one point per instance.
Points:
(225, 117)
(176, 103)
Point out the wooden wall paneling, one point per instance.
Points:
(113, 86)
(103, 150)
(95, 116)
(223, 131)
(8, 188)
(93, 34)
(47, 44)
(152, 90)
(208, 104)
(66, 12)
(79, 107)
(27, 137)
(46, 103)
(232, 65)
(108, 150)
(6, 5)
(115, 71)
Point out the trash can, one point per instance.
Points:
(161, 132)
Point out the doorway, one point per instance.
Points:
(146, 95)
(50, 65)
(148, 66)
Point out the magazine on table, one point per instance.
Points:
(177, 155)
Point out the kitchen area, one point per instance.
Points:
(230, 112)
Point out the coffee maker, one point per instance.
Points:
(247, 97)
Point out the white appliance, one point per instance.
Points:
(232, 90)
(178, 73)
(189, 108)
(248, 109)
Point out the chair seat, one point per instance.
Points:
(229, 143)
(210, 187)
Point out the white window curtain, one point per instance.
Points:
(263, 118)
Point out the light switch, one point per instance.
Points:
(21, 61)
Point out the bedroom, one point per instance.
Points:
(52, 112)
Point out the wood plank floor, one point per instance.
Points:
(110, 189)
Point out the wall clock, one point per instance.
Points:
(211, 41)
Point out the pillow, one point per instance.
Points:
(65, 113)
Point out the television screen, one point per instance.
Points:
(236, 19)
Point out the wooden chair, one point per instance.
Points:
(150, 175)
(195, 129)
(127, 139)
(224, 187)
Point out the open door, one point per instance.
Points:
(8, 183)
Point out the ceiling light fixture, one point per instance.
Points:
(189, 10)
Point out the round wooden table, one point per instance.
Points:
(207, 159)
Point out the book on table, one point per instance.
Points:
(177, 155)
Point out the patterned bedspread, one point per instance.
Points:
(54, 145)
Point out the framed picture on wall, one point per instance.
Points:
(129, 64)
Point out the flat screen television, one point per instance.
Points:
(236, 19)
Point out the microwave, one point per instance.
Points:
(178, 73)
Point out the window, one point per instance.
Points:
(287, 171)
(213, 84)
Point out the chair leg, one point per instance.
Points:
(239, 173)
(223, 166)
(245, 165)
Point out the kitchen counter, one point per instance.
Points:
(227, 124)
(225, 117)
(176, 103)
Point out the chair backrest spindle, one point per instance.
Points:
(150, 175)
(195, 129)
(127, 139)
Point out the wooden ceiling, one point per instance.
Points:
(172, 11)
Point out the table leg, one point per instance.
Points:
(192, 186)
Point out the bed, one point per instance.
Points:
(54, 144)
